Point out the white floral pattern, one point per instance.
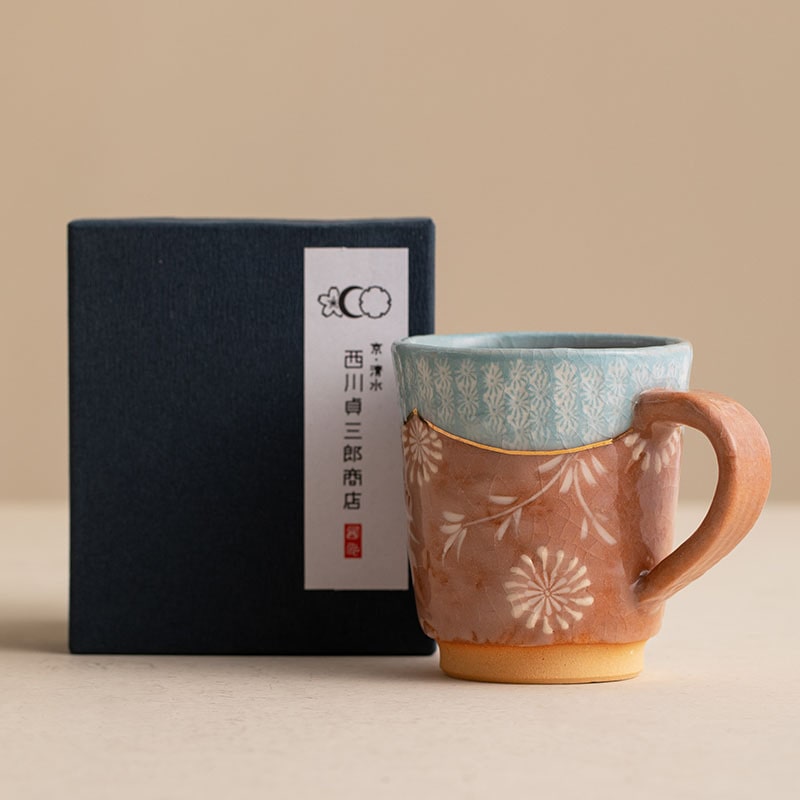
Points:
(529, 541)
(617, 377)
(424, 381)
(550, 593)
(566, 398)
(570, 473)
(517, 403)
(539, 404)
(445, 395)
(649, 454)
(548, 527)
(493, 397)
(593, 399)
(467, 386)
(575, 471)
(644, 378)
(422, 449)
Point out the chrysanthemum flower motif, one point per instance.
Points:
(540, 402)
(424, 381)
(617, 377)
(550, 593)
(422, 449)
(443, 383)
(493, 379)
(517, 407)
(518, 374)
(649, 454)
(566, 398)
(467, 385)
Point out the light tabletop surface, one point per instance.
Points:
(716, 713)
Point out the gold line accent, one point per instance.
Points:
(456, 437)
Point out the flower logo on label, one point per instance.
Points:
(330, 303)
(355, 301)
(550, 595)
(422, 449)
(375, 302)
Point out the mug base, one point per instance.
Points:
(555, 663)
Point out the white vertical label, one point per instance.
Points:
(356, 305)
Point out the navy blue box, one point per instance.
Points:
(186, 379)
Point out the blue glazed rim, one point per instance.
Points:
(535, 390)
(518, 342)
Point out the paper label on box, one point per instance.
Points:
(356, 305)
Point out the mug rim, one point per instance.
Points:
(551, 342)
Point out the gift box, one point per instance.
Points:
(235, 459)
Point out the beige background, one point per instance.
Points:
(625, 166)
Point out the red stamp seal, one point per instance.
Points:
(352, 540)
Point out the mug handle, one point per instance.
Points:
(743, 457)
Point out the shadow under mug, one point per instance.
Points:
(541, 476)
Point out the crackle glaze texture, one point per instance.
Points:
(537, 549)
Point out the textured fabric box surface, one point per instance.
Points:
(186, 439)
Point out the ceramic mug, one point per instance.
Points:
(541, 475)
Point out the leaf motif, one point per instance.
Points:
(461, 537)
(448, 544)
(451, 516)
(584, 528)
(452, 527)
(516, 516)
(567, 482)
(587, 473)
(598, 465)
(604, 534)
(502, 499)
(503, 527)
(551, 464)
